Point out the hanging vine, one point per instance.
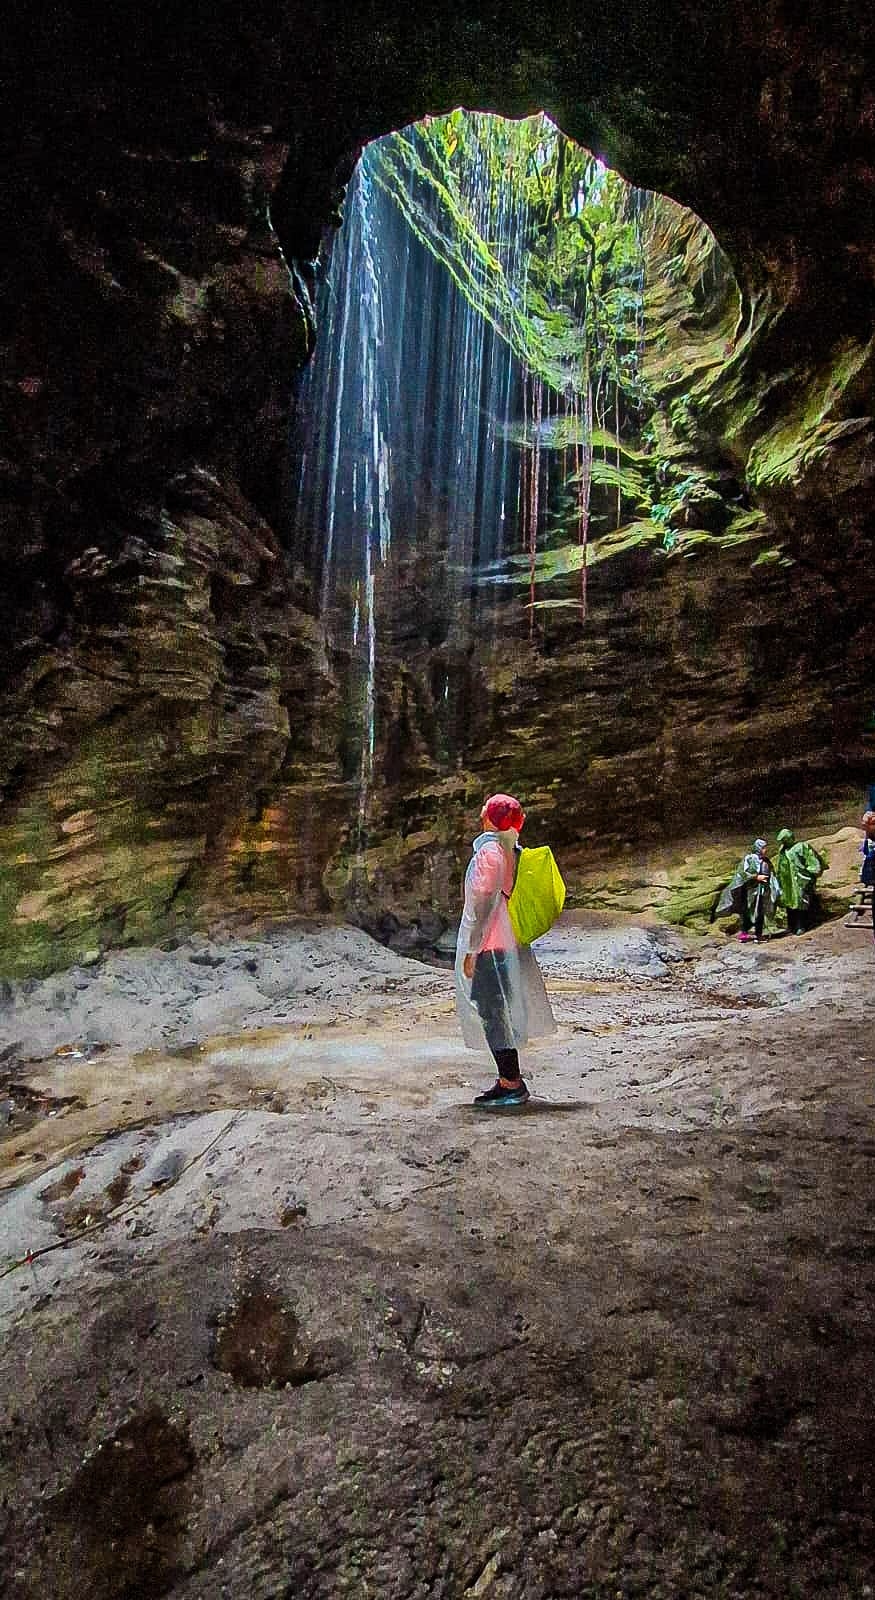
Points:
(545, 243)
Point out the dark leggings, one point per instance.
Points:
(508, 1064)
(489, 990)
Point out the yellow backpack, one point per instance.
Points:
(538, 894)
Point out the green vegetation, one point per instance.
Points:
(623, 314)
(805, 438)
(542, 240)
(546, 245)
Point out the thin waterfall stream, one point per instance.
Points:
(444, 427)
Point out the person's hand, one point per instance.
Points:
(762, 877)
(468, 965)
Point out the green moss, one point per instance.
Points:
(35, 949)
(773, 557)
(690, 904)
(9, 895)
(24, 846)
(744, 527)
(567, 559)
(148, 915)
(73, 931)
(682, 893)
(66, 894)
(27, 839)
(804, 436)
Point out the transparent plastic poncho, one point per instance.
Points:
(505, 1003)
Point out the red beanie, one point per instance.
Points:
(502, 811)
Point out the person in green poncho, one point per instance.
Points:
(797, 866)
(753, 894)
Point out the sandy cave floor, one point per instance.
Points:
(309, 1325)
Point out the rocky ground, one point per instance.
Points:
(297, 1321)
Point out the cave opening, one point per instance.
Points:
(494, 412)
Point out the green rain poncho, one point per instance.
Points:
(743, 886)
(798, 867)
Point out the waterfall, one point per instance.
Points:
(344, 437)
(443, 383)
(403, 428)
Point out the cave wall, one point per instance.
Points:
(171, 719)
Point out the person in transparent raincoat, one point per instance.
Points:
(500, 994)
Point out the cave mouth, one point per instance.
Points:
(481, 426)
(479, 374)
(178, 743)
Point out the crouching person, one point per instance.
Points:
(500, 994)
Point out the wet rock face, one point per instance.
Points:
(171, 732)
(150, 727)
(155, 648)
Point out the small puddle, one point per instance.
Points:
(258, 1341)
(251, 1039)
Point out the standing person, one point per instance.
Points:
(867, 851)
(500, 994)
(797, 868)
(752, 893)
